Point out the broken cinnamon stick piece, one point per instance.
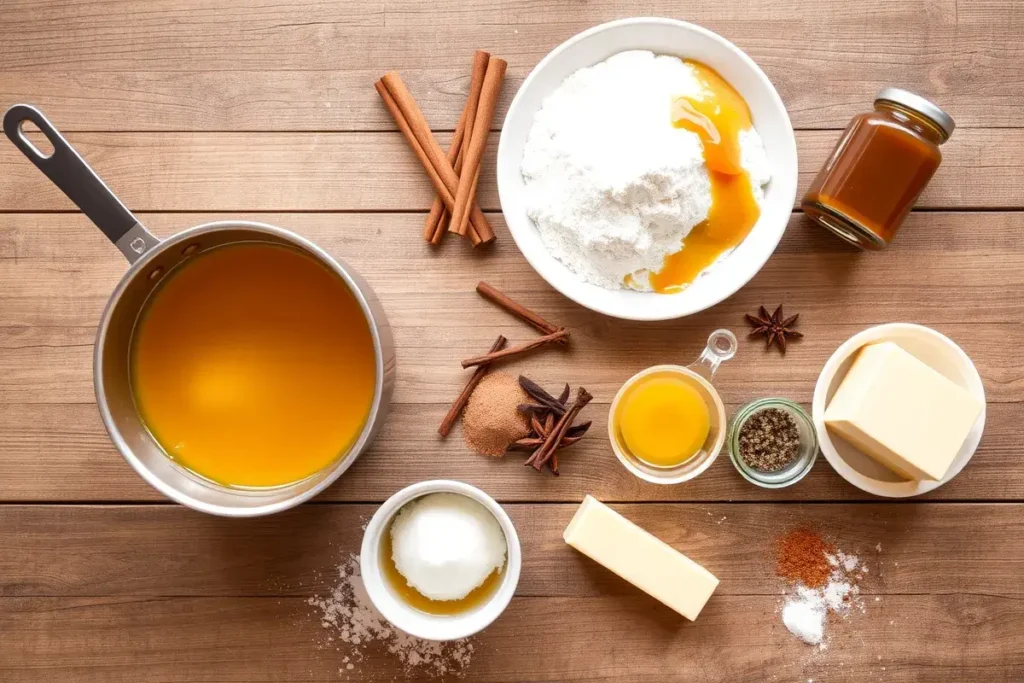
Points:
(504, 354)
(515, 308)
(414, 127)
(543, 454)
(538, 394)
(474, 153)
(537, 408)
(531, 443)
(578, 430)
(460, 403)
(435, 227)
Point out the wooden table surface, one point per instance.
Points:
(194, 110)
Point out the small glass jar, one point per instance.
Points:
(801, 464)
(880, 166)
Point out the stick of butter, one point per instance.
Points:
(651, 565)
(902, 413)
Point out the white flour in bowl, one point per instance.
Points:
(612, 186)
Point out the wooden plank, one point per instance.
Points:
(55, 365)
(96, 551)
(56, 288)
(293, 65)
(58, 271)
(342, 171)
(626, 638)
(41, 443)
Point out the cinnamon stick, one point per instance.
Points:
(433, 158)
(474, 153)
(463, 398)
(531, 443)
(538, 394)
(435, 227)
(419, 151)
(518, 310)
(547, 450)
(535, 408)
(504, 354)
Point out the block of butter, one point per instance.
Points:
(651, 565)
(901, 412)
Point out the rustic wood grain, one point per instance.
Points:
(293, 65)
(41, 443)
(37, 372)
(263, 109)
(622, 638)
(56, 287)
(981, 168)
(58, 271)
(168, 551)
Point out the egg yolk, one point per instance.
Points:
(663, 421)
(717, 116)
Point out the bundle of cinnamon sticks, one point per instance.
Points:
(455, 175)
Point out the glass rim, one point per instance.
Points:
(788, 475)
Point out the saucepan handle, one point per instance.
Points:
(69, 172)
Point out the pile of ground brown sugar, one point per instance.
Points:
(492, 421)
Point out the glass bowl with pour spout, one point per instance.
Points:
(699, 375)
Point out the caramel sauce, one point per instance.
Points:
(717, 117)
(253, 365)
(412, 597)
(876, 173)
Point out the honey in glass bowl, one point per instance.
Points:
(880, 166)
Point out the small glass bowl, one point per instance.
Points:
(794, 471)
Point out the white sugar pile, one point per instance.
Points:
(446, 544)
(805, 612)
(358, 629)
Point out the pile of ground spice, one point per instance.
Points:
(802, 557)
(491, 421)
(824, 584)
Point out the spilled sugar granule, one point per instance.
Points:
(823, 581)
(356, 628)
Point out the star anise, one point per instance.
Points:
(544, 415)
(773, 327)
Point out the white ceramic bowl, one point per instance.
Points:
(662, 36)
(932, 348)
(411, 620)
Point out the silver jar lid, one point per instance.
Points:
(919, 104)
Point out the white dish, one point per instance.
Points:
(662, 36)
(411, 620)
(929, 346)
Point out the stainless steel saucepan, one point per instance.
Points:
(152, 260)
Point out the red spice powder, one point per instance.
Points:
(802, 558)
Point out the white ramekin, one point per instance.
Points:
(411, 620)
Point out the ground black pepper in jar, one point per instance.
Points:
(769, 440)
(878, 169)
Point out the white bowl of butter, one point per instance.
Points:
(933, 349)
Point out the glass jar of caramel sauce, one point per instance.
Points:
(879, 168)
